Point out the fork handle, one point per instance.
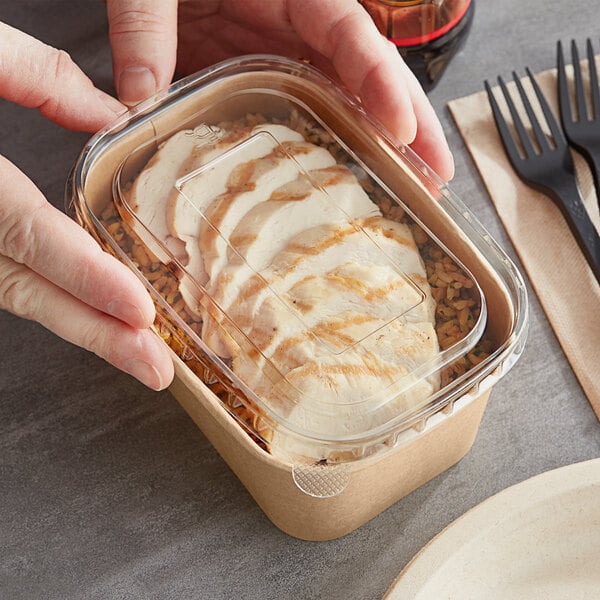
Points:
(568, 199)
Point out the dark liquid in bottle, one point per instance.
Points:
(426, 33)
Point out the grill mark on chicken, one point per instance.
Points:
(282, 196)
(240, 179)
(336, 237)
(257, 283)
(330, 332)
(328, 372)
(275, 223)
(334, 333)
(355, 290)
(353, 284)
(327, 177)
(242, 240)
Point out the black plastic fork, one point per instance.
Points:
(549, 170)
(582, 127)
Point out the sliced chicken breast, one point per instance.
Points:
(210, 168)
(252, 183)
(269, 226)
(334, 399)
(152, 188)
(323, 196)
(317, 251)
(372, 295)
(413, 345)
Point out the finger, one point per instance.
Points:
(143, 37)
(365, 62)
(38, 76)
(430, 142)
(372, 69)
(138, 352)
(35, 234)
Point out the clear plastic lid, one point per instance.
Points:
(295, 253)
(317, 303)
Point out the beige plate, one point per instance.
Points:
(539, 539)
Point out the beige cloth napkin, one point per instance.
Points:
(563, 282)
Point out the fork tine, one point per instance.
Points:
(563, 86)
(537, 130)
(593, 81)
(503, 130)
(579, 90)
(557, 134)
(518, 123)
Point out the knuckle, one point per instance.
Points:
(85, 279)
(17, 233)
(18, 290)
(96, 337)
(60, 64)
(110, 340)
(344, 26)
(135, 21)
(59, 68)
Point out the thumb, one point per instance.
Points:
(143, 37)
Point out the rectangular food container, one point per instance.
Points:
(337, 317)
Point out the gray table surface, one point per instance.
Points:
(108, 490)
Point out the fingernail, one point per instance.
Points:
(136, 84)
(111, 103)
(127, 312)
(146, 373)
(452, 167)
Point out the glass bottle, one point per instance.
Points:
(427, 33)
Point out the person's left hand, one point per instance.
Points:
(148, 38)
(51, 270)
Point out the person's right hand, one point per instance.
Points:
(337, 36)
(51, 270)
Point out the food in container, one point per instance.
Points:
(326, 297)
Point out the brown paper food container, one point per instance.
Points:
(367, 486)
(316, 500)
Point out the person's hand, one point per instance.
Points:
(51, 270)
(148, 38)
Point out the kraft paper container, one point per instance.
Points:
(319, 476)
